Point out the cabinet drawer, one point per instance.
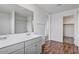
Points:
(11, 48)
(21, 51)
(29, 42)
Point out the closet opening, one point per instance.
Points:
(68, 29)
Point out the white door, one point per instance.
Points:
(56, 27)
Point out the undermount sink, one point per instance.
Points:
(31, 35)
(28, 34)
(3, 37)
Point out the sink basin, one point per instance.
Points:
(31, 35)
(3, 37)
(28, 34)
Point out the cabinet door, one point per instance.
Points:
(21, 51)
(30, 49)
(38, 48)
(12, 48)
(27, 50)
(34, 48)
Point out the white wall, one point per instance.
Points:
(47, 28)
(40, 18)
(77, 29)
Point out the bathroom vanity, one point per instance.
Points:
(21, 44)
(15, 24)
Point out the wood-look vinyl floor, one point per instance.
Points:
(54, 47)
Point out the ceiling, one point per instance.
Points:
(55, 8)
(8, 8)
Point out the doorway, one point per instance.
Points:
(68, 29)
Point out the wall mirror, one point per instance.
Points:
(15, 19)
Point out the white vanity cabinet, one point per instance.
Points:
(11, 49)
(33, 46)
